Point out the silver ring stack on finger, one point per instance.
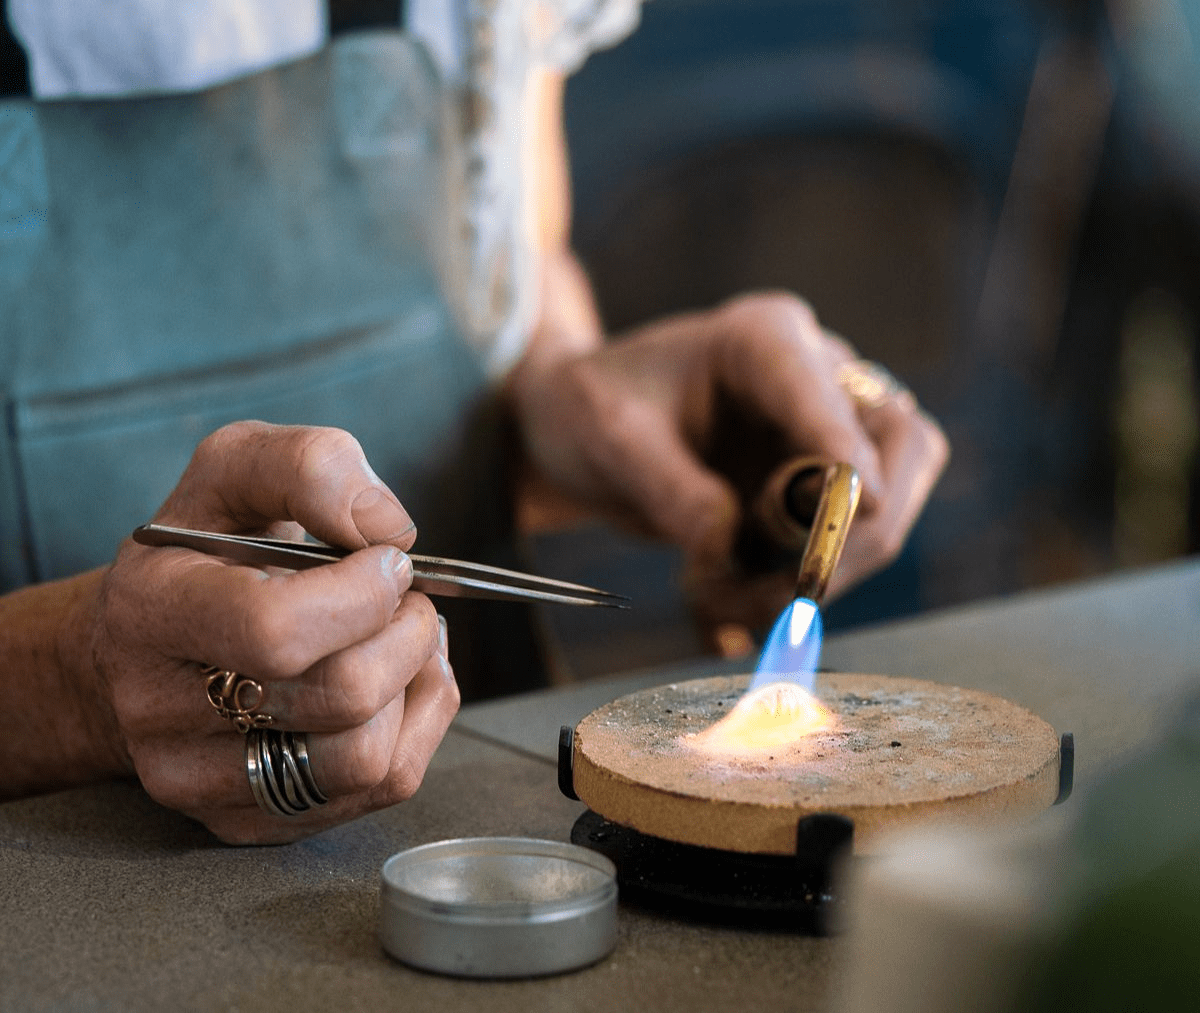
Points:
(869, 384)
(280, 774)
(281, 777)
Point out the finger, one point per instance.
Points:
(250, 474)
(367, 768)
(772, 354)
(871, 386)
(340, 692)
(914, 452)
(270, 626)
(285, 530)
(430, 706)
(838, 349)
(347, 688)
(661, 478)
(207, 779)
(199, 776)
(385, 759)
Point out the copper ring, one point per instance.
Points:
(280, 776)
(236, 698)
(869, 384)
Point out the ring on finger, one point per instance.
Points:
(869, 384)
(236, 698)
(280, 775)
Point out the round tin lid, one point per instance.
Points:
(498, 907)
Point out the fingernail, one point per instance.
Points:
(395, 563)
(378, 517)
(443, 636)
(447, 671)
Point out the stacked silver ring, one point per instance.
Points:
(280, 774)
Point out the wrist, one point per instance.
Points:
(102, 746)
(62, 730)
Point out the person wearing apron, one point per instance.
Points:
(366, 235)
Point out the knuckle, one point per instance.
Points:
(937, 442)
(137, 713)
(319, 446)
(774, 310)
(626, 423)
(269, 637)
(448, 696)
(619, 417)
(404, 779)
(352, 699)
(216, 445)
(165, 788)
(368, 762)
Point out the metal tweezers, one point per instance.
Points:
(431, 574)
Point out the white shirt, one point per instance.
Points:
(127, 47)
(483, 49)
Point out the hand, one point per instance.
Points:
(627, 428)
(344, 652)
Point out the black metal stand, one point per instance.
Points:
(789, 892)
(1066, 767)
(780, 892)
(795, 893)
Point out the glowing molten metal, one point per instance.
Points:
(767, 719)
(778, 710)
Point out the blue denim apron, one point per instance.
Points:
(269, 248)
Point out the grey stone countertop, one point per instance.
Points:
(113, 903)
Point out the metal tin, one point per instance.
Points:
(498, 907)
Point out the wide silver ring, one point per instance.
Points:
(869, 384)
(280, 774)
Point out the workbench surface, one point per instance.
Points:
(113, 903)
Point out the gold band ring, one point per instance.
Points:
(869, 384)
(236, 698)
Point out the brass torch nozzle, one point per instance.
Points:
(807, 504)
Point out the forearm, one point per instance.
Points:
(56, 726)
(568, 323)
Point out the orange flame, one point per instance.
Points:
(770, 717)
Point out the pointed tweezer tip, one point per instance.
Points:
(604, 598)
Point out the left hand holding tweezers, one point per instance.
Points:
(431, 574)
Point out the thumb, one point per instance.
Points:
(250, 474)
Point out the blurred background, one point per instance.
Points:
(998, 200)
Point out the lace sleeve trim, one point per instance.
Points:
(504, 41)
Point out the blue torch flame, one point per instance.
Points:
(792, 650)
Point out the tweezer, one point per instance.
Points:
(431, 574)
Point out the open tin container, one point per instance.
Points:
(498, 907)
